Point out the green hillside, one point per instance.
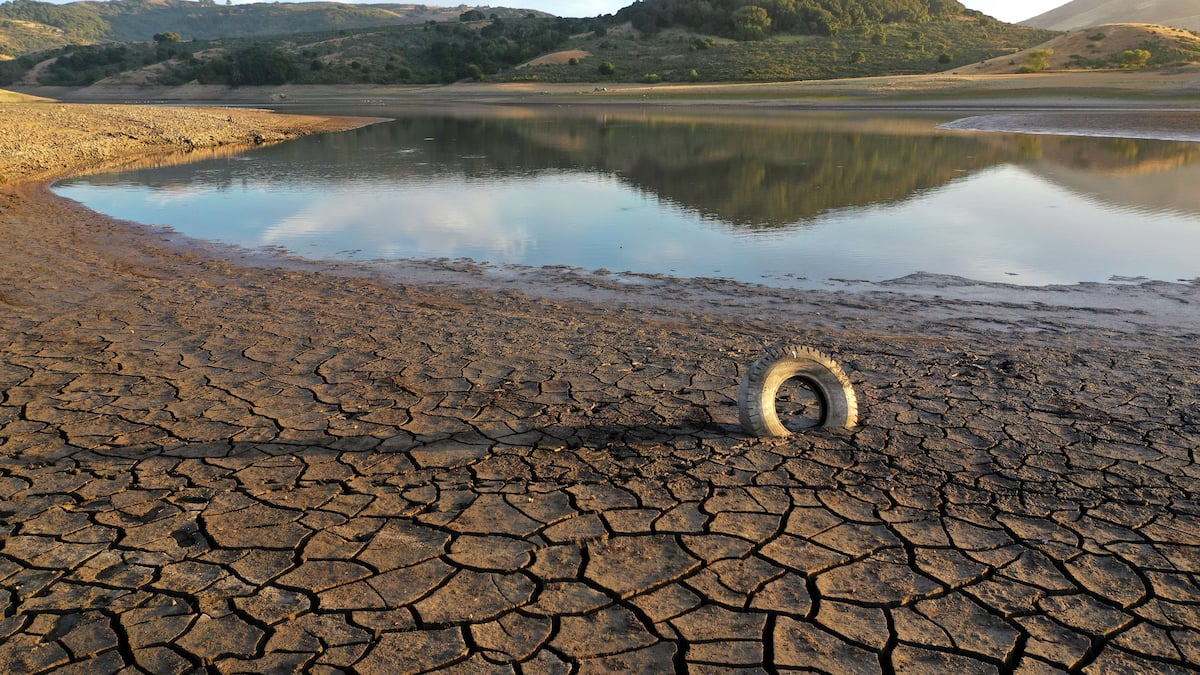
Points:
(676, 55)
(19, 36)
(650, 41)
(29, 25)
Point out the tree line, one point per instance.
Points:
(435, 52)
(758, 19)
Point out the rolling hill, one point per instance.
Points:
(1088, 13)
(30, 25)
(1097, 47)
(649, 41)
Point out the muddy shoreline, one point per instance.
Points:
(215, 458)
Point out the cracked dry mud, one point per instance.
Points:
(267, 469)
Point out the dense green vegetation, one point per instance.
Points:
(758, 19)
(882, 49)
(493, 48)
(88, 64)
(431, 53)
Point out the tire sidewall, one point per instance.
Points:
(760, 387)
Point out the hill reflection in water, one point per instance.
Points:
(747, 195)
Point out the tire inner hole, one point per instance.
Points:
(799, 405)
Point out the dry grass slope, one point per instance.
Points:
(1099, 43)
(7, 96)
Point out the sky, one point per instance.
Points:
(1010, 11)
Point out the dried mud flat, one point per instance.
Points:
(277, 467)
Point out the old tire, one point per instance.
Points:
(760, 386)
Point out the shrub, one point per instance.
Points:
(1037, 61)
(651, 78)
(1134, 58)
(751, 23)
(607, 68)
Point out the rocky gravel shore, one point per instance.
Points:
(277, 467)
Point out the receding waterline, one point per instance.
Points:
(790, 203)
(1128, 124)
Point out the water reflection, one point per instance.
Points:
(750, 195)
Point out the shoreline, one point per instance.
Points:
(1059, 89)
(1121, 305)
(46, 141)
(234, 460)
(1157, 297)
(1161, 124)
(214, 131)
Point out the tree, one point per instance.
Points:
(784, 15)
(607, 68)
(1037, 61)
(260, 65)
(472, 15)
(1134, 58)
(751, 23)
(162, 38)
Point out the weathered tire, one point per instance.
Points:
(760, 386)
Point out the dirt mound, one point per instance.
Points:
(1090, 48)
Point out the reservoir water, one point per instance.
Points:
(781, 198)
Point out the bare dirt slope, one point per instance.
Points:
(1081, 14)
(562, 57)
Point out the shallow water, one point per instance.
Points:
(785, 199)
